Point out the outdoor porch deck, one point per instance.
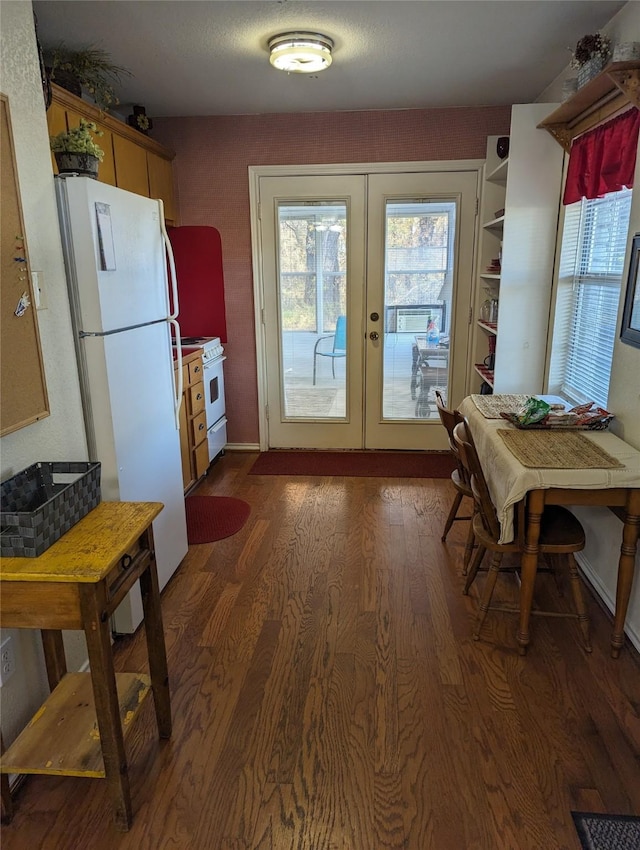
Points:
(327, 398)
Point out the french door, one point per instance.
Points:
(387, 258)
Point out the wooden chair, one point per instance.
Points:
(459, 479)
(561, 535)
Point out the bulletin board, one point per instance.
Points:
(23, 391)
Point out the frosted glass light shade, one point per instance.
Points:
(300, 52)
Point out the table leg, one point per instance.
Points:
(54, 656)
(529, 565)
(155, 642)
(5, 792)
(626, 568)
(95, 618)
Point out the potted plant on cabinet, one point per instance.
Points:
(90, 68)
(76, 151)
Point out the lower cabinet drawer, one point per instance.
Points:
(201, 457)
(196, 394)
(195, 371)
(199, 428)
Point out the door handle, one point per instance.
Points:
(374, 335)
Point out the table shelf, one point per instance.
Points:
(62, 738)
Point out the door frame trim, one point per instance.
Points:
(337, 169)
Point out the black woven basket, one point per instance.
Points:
(41, 503)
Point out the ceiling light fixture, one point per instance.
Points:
(300, 52)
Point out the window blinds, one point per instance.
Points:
(591, 264)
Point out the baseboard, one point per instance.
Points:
(242, 447)
(605, 597)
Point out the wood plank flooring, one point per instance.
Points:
(327, 694)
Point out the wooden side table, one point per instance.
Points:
(77, 584)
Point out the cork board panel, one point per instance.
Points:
(23, 391)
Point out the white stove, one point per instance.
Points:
(210, 346)
(213, 376)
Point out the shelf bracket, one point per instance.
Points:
(562, 134)
(598, 100)
(628, 82)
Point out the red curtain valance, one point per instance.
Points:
(604, 159)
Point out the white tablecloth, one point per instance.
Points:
(509, 480)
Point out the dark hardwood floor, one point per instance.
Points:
(327, 694)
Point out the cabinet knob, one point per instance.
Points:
(200, 427)
(199, 396)
(197, 369)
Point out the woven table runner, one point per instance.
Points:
(557, 450)
(490, 406)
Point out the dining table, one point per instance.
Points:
(613, 480)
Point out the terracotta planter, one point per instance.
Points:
(85, 164)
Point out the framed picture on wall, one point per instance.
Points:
(630, 330)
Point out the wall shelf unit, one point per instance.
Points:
(489, 327)
(611, 90)
(517, 241)
(485, 373)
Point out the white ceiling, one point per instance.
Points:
(210, 57)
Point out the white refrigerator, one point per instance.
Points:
(115, 251)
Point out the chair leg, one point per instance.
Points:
(483, 607)
(578, 598)
(333, 367)
(315, 361)
(475, 566)
(452, 514)
(558, 576)
(469, 547)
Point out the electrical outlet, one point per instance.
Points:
(7, 660)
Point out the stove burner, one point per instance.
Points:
(193, 340)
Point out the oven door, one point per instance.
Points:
(214, 390)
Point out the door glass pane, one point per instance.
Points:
(418, 290)
(312, 292)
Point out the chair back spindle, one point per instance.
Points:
(479, 487)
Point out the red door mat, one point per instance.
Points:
(359, 464)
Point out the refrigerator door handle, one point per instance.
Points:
(172, 263)
(178, 346)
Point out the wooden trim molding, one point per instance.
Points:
(93, 113)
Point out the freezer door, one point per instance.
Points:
(114, 254)
(129, 376)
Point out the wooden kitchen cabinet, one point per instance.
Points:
(194, 446)
(161, 183)
(105, 141)
(131, 166)
(132, 160)
(56, 123)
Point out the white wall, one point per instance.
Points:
(603, 530)
(61, 435)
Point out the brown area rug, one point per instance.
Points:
(211, 518)
(355, 464)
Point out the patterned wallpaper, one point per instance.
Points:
(212, 158)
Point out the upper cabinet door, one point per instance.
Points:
(131, 166)
(161, 183)
(56, 123)
(106, 170)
